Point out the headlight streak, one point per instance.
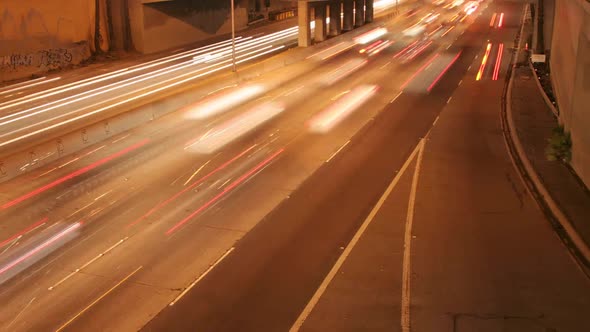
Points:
(107, 76)
(368, 37)
(346, 69)
(227, 132)
(150, 92)
(27, 84)
(224, 101)
(134, 80)
(245, 45)
(342, 108)
(21, 262)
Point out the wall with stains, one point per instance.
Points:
(570, 74)
(40, 35)
(170, 24)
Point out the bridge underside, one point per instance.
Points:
(344, 16)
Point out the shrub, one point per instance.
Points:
(560, 146)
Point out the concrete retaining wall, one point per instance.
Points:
(38, 35)
(570, 72)
(19, 65)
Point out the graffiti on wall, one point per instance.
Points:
(44, 59)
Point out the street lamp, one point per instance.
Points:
(233, 37)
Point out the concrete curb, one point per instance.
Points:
(545, 97)
(536, 182)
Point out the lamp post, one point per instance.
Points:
(233, 38)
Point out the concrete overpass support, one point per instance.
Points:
(368, 11)
(335, 18)
(348, 8)
(359, 17)
(304, 20)
(320, 23)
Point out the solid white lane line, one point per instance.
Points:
(88, 263)
(449, 100)
(201, 276)
(337, 151)
(406, 264)
(103, 195)
(435, 121)
(97, 300)
(62, 195)
(394, 98)
(12, 243)
(324, 285)
(196, 172)
(81, 209)
(120, 139)
(20, 313)
(223, 184)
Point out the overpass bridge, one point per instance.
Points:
(344, 16)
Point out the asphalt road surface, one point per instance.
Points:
(240, 238)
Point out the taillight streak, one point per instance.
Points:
(498, 63)
(404, 50)
(493, 21)
(225, 191)
(40, 247)
(420, 50)
(23, 232)
(196, 183)
(418, 71)
(444, 71)
(74, 174)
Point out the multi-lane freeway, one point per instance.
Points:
(237, 213)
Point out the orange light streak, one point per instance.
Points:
(483, 62)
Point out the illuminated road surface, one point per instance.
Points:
(153, 213)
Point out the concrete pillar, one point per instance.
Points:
(348, 15)
(535, 45)
(548, 23)
(304, 21)
(335, 18)
(368, 11)
(579, 123)
(359, 17)
(120, 32)
(320, 22)
(136, 25)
